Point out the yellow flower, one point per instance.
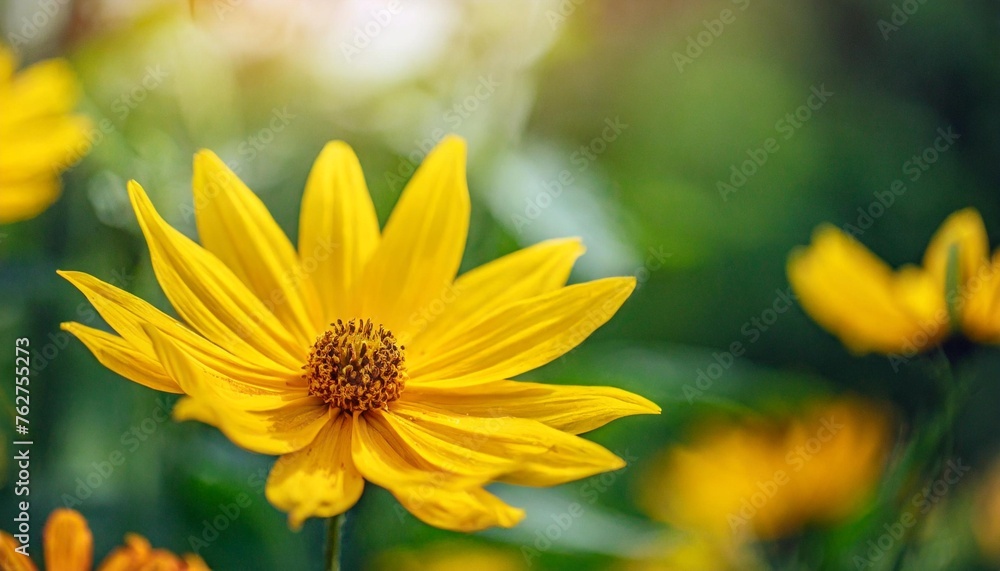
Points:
(872, 308)
(69, 546)
(986, 524)
(448, 557)
(767, 479)
(695, 552)
(361, 356)
(38, 135)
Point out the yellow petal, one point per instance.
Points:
(320, 480)
(276, 422)
(42, 90)
(11, 560)
(539, 455)
(195, 563)
(235, 225)
(980, 303)
(338, 230)
(116, 354)
(385, 457)
(436, 497)
(465, 511)
(138, 555)
(515, 277)
(573, 409)
(44, 146)
(423, 242)
(282, 430)
(527, 334)
(40, 137)
(68, 542)
(8, 63)
(129, 557)
(858, 298)
(963, 230)
(130, 316)
(209, 296)
(26, 199)
(455, 453)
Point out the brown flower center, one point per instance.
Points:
(356, 366)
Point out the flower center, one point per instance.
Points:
(356, 366)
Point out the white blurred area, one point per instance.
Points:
(396, 74)
(393, 67)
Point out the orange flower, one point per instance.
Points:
(69, 546)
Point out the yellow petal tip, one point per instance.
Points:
(337, 146)
(203, 155)
(453, 141)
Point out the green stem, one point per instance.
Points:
(941, 440)
(334, 542)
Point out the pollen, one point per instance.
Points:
(356, 366)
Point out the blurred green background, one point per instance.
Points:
(618, 121)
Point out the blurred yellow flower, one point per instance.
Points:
(766, 479)
(451, 557)
(696, 552)
(69, 546)
(987, 519)
(38, 135)
(361, 356)
(872, 308)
